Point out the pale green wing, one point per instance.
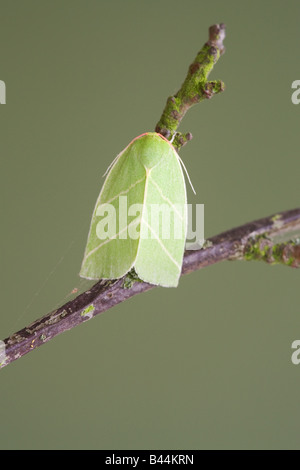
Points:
(159, 258)
(113, 258)
(148, 174)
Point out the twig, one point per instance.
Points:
(232, 245)
(195, 87)
(268, 239)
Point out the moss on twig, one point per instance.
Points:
(261, 248)
(195, 87)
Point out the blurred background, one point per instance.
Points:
(206, 365)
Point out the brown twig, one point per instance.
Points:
(256, 240)
(231, 245)
(195, 87)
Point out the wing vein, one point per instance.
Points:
(162, 245)
(122, 193)
(133, 222)
(166, 198)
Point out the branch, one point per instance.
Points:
(195, 88)
(269, 239)
(237, 244)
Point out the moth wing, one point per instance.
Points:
(160, 254)
(112, 258)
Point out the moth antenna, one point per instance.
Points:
(173, 137)
(183, 165)
(112, 163)
(186, 172)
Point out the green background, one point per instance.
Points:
(206, 365)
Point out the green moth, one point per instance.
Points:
(140, 217)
